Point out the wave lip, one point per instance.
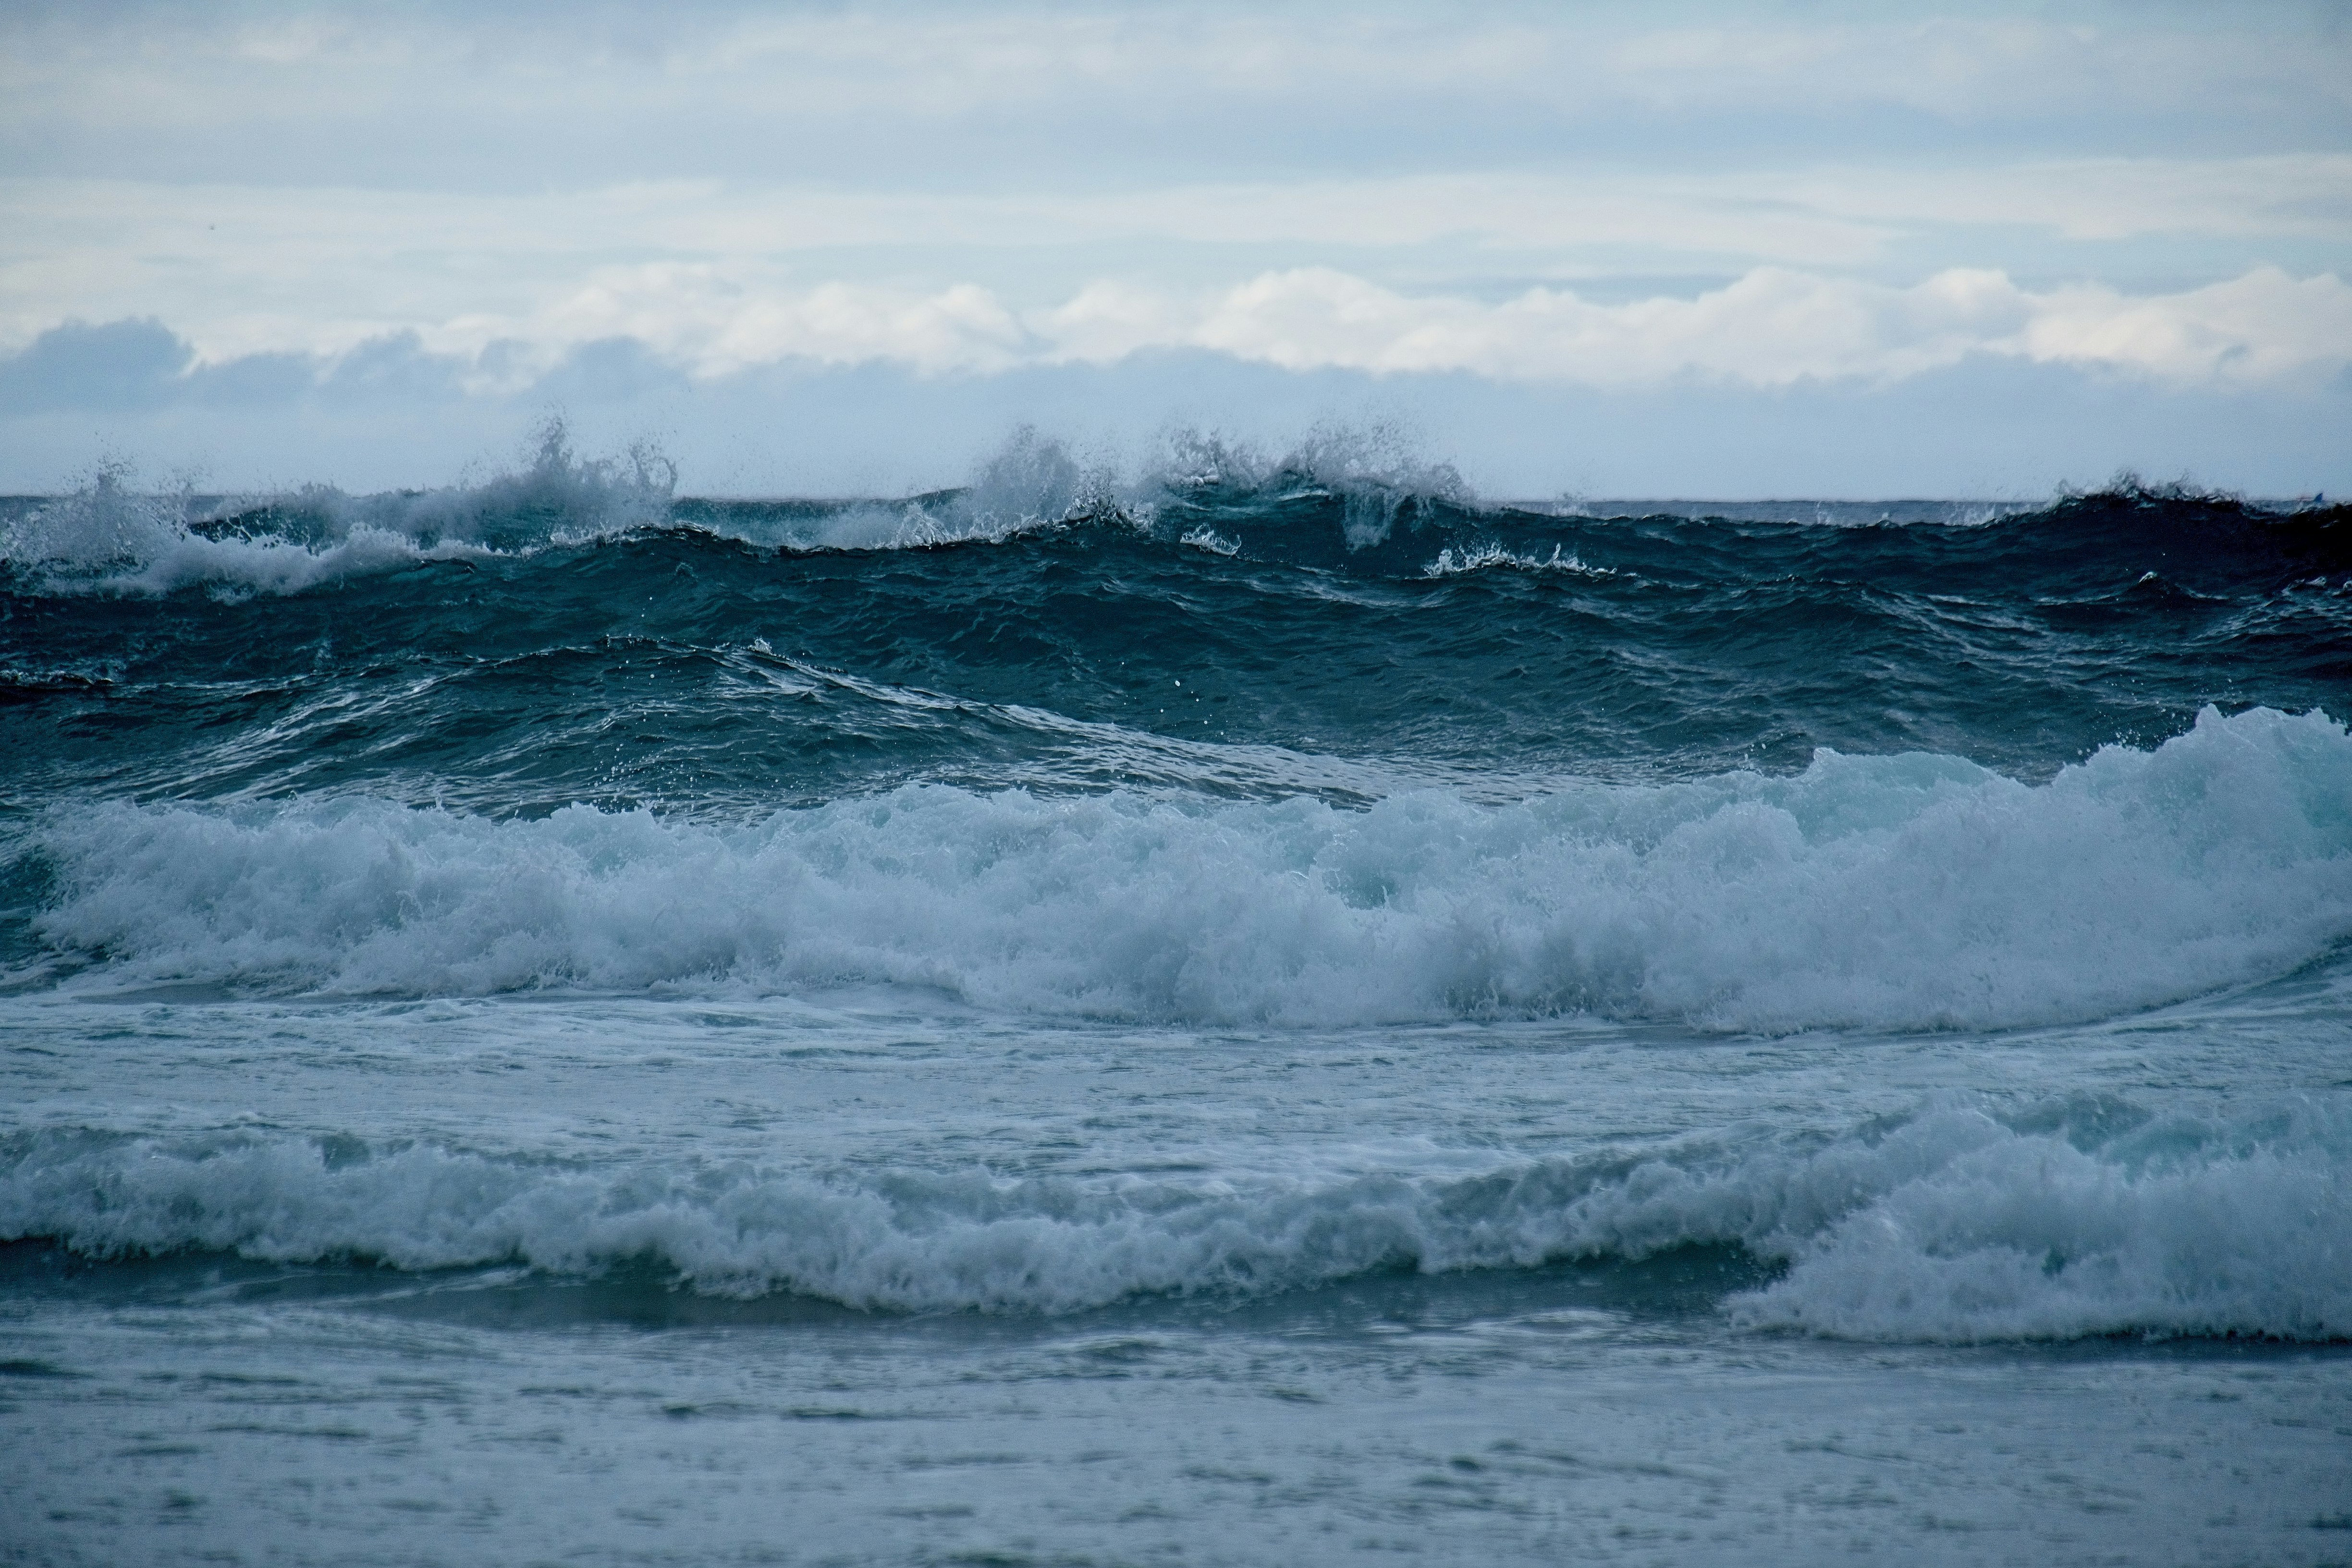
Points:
(1951, 1224)
(1902, 892)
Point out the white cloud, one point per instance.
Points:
(1828, 191)
(243, 269)
(2255, 327)
(1771, 327)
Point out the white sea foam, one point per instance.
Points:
(2031, 1237)
(1209, 539)
(1952, 1224)
(1453, 563)
(1911, 892)
(110, 537)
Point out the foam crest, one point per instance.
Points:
(111, 537)
(1378, 472)
(1034, 483)
(1378, 458)
(1911, 892)
(1949, 1225)
(108, 537)
(1453, 563)
(1031, 482)
(2032, 1238)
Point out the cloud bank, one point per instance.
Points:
(223, 226)
(1773, 327)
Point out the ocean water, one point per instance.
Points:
(1258, 1010)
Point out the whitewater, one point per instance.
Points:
(1243, 1006)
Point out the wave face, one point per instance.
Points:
(1223, 624)
(1260, 747)
(1948, 1225)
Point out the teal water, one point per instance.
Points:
(1263, 1011)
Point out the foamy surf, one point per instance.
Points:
(1908, 892)
(1949, 1225)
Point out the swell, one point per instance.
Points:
(1956, 1222)
(642, 665)
(1360, 502)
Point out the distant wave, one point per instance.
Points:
(1361, 498)
(1953, 1222)
(1912, 892)
(112, 538)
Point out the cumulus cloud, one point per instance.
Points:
(973, 280)
(441, 202)
(1773, 327)
(1770, 327)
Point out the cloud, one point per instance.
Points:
(2261, 326)
(243, 269)
(122, 365)
(1771, 327)
(1990, 426)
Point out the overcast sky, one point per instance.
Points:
(1696, 250)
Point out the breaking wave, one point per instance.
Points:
(112, 538)
(1954, 1223)
(1912, 892)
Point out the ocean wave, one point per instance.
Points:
(1371, 477)
(1364, 499)
(1908, 892)
(109, 538)
(1951, 1223)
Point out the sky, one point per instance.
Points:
(1689, 250)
